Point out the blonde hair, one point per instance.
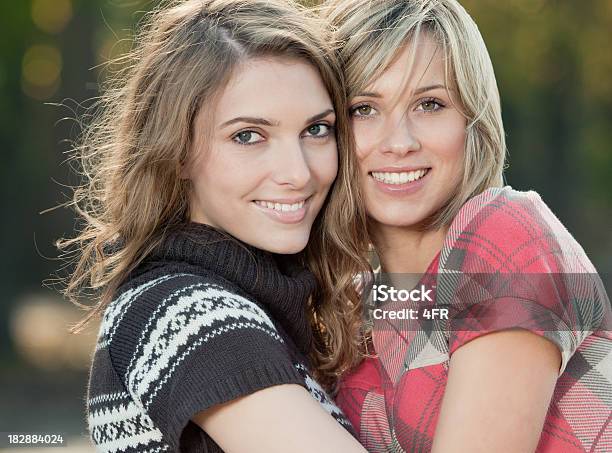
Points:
(369, 36)
(133, 152)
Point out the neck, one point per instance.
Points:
(405, 250)
(278, 283)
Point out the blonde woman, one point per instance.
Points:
(512, 353)
(208, 167)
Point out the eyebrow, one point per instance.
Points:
(320, 116)
(429, 88)
(265, 122)
(373, 94)
(250, 119)
(368, 94)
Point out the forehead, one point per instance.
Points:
(273, 86)
(418, 63)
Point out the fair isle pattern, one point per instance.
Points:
(123, 427)
(394, 398)
(180, 321)
(107, 398)
(115, 311)
(162, 356)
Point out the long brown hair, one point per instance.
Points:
(132, 153)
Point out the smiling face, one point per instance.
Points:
(263, 169)
(410, 139)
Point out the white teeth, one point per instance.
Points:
(398, 178)
(281, 207)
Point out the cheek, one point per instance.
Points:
(365, 138)
(457, 140)
(449, 146)
(324, 165)
(212, 178)
(363, 149)
(456, 152)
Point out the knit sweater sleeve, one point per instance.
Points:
(189, 343)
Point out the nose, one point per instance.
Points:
(291, 165)
(399, 138)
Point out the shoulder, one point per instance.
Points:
(180, 343)
(171, 310)
(154, 293)
(506, 230)
(189, 327)
(508, 262)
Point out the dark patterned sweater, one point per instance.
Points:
(203, 320)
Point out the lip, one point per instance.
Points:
(286, 217)
(401, 189)
(400, 169)
(284, 200)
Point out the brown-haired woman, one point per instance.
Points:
(207, 169)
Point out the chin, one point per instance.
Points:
(285, 243)
(396, 219)
(288, 249)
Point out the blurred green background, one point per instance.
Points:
(554, 69)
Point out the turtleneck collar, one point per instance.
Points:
(284, 289)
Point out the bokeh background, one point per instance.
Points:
(554, 68)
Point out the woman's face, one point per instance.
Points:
(270, 156)
(410, 139)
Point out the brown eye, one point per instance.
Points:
(430, 105)
(363, 110)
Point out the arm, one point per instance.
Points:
(282, 418)
(497, 395)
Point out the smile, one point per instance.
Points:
(403, 177)
(281, 207)
(284, 211)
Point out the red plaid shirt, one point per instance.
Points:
(393, 400)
